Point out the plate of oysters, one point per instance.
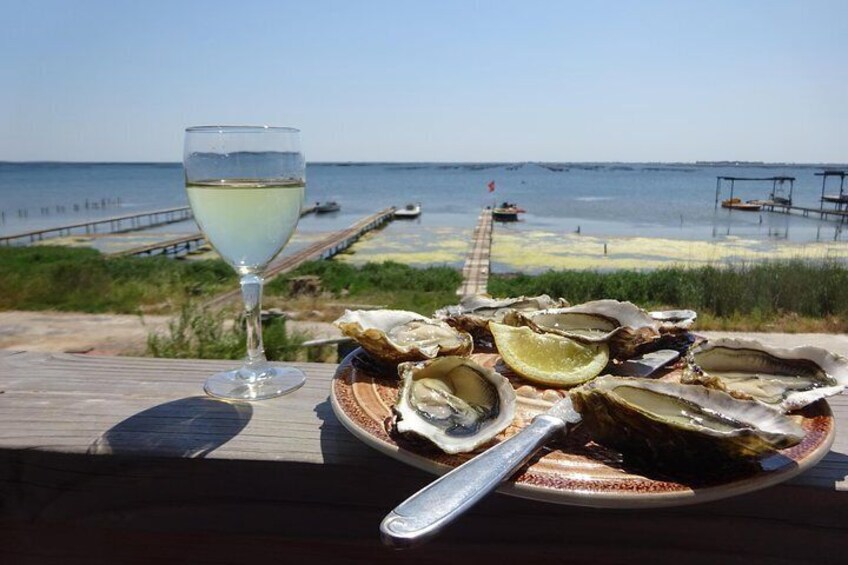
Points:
(726, 417)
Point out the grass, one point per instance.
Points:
(197, 333)
(776, 296)
(83, 280)
(390, 284)
(792, 296)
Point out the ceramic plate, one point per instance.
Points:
(572, 470)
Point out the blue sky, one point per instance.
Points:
(430, 81)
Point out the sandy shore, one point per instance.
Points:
(118, 334)
(99, 334)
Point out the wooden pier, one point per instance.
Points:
(823, 213)
(323, 249)
(113, 224)
(475, 273)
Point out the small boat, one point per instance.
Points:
(409, 211)
(507, 212)
(737, 204)
(328, 206)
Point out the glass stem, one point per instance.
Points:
(251, 293)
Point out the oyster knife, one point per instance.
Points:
(424, 514)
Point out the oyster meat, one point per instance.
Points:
(784, 379)
(455, 403)
(622, 325)
(397, 335)
(680, 426)
(474, 313)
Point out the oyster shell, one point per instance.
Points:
(674, 320)
(783, 379)
(453, 402)
(474, 313)
(677, 425)
(398, 335)
(622, 325)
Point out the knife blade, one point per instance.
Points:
(424, 514)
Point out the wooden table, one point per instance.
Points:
(123, 460)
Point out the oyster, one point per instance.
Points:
(453, 402)
(474, 313)
(784, 379)
(622, 325)
(397, 335)
(677, 425)
(674, 320)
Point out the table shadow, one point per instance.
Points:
(188, 427)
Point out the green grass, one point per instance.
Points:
(83, 280)
(196, 333)
(756, 293)
(391, 284)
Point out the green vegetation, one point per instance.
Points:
(775, 296)
(391, 284)
(83, 280)
(196, 333)
(782, 296)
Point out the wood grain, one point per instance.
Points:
(123, 460)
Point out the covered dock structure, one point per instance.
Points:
(841, 199)
(778, 194)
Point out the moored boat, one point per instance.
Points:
(409, 211)
(328, 206)
(507, 212)
(737, 204)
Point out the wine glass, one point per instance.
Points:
(246, 188)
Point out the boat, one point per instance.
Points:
(737, 204)
(507, 212)
(326, 207)
(409, 211)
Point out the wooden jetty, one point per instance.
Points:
(322, 249)
(113, 224)
(179, 245)
(823, 213)
(176, 246)
(475, 272)
(107, 460)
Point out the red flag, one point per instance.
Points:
(492, 186)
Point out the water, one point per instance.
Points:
(581, 205)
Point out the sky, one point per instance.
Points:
(405, 80)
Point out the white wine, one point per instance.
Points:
(248, 223)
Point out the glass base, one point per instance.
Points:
(276, 381)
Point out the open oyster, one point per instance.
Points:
(474, 313)
(674, 320)
(397, 335)
(453, 402)
(622, 325)
(677, 425)
(784, 379)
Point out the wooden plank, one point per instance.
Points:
(475, 272)
(123, 460)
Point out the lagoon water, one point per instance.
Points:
(645, 215)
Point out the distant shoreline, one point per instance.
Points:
(729, 163)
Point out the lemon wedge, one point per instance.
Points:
(547, 358)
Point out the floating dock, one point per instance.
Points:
(323, 249)
(475, 273)
(113, 224)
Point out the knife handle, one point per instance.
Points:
(426, 512)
